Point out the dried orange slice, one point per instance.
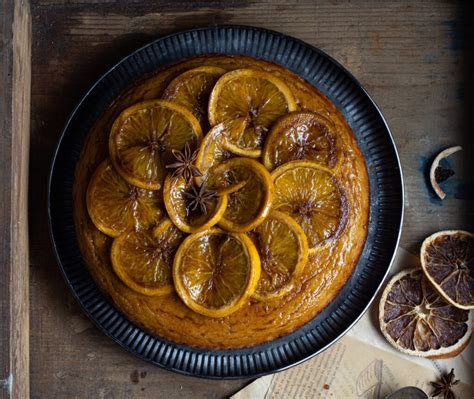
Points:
(312, 196)
(259, 97)
(283, 249)
(250, 191)
(144, 260)
(447, 258)
(115, 206)
(216, 272)
(416, 320)
(143, 136)
(436, 171)
(187, 215)
(301, 136)
(212, 150)
(192, 88)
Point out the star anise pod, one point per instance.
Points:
(199, 197)
(444, 386)
(184, 165)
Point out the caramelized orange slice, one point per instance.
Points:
(312, 196)
(143, 137)
(115, 206)
(301, 136)
(283, 249)
(216, 272)
(212, 150)
(144, 260)
(192, 88)
(184, 208)
(250, 191)
(258, 97)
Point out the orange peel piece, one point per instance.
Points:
(443, 154)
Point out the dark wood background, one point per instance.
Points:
(15, 87)
(415, 58)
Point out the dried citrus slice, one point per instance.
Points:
(184, 207)
(250, 190)
(436, 171)
(447, 258)
(212, 150)
(216, 272)
(115, 206)
(259, 97)
(143, 136)
(312, 196)
(283, 249)
(301, 136)
(416, 320)
(144, 260)
(192, 88)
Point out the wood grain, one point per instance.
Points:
(15, 74)
(414, 58)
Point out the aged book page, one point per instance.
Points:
(350, 369)
(363, 365)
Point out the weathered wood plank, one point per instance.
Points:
(15, 73)
(414, 58)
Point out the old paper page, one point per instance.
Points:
(363, 365)
(349, 369)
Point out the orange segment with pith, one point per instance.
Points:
(283, 249)
(302, 136)
(312, 196)
(116, 206)
(257, 96)
(250, 191)
(144, 260)
(192, 88)
(216, 272)
(143, 136)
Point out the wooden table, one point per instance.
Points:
(414, 58)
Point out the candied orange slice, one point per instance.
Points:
(212, 150)
(143, 136)
(312, 196)
(115, 206)
(216, 272)
(144, 260)
(192, 88)
(184, 209)
(250, 191)
(447, 258)
(259, 97)
(416, 320)
(283, 249)
(301, 136)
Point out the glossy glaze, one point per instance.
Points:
(256, 322)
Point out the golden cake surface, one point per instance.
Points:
(333, 246)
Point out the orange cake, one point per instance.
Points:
(221, 202)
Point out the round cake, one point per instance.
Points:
(221, 202)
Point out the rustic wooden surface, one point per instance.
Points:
(15, 84)
(415, 58)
